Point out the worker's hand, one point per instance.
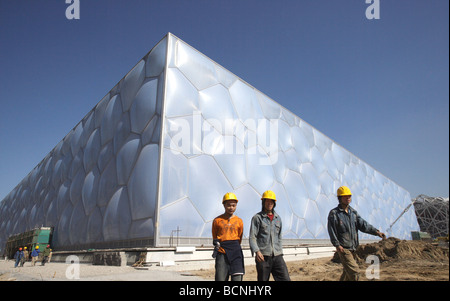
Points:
(339, 249)
(259, 256)
(381, 234)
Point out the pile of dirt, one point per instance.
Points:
(396, 249)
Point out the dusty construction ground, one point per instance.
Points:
(323, 269)
(400, 260)
(59, 271)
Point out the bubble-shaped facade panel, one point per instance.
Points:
(215, 104)
(233, 163)
(90, 190)
(126, 158)
(260, 170)
(156, 60)
(107, 184)
(190, 221)
(196, 67)
(181, 95)
(144, 106)
(142, 186)
(174, 177)
(283, 207)
(245, 101)
(207, 198)
(296, 192)
(131, 84)
(78, 225)
(110, 119)
(270, 109)
(249, 203)
(225, 77)
(311, 180)
(117, 218)
(92, 151)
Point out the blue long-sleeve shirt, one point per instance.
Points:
(343, 227)
(18, 255)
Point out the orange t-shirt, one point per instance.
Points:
(227, 229)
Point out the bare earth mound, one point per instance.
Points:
(396, 249)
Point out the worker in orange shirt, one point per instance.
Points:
(227, 230)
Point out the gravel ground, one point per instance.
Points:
(56, 271)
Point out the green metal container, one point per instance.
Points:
(417, 235)
(37, 237)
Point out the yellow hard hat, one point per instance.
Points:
(343, 190)
(37, 247)
(229, 196)
(269, 194)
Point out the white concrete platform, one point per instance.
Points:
(191, 258)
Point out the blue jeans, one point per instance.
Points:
(17, 262)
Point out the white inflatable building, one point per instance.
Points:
(152, 160)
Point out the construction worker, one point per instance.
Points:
(343, 225)
(227, 230)
(18, 257)
(45, 254)
(266, 241)
(50, 255)
(25, 256)
(34, 255)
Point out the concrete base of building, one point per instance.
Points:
(185, 257)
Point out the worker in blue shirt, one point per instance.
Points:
(34, 255)
(343, 225)
(18, 257)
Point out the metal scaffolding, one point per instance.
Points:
(432, 215)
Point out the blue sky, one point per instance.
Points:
(379, 88)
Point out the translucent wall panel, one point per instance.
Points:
(256, 145)
(98, 186)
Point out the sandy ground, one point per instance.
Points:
(398, 261)
(323, 269)
(57, 271)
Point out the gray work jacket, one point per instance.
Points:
(265, 235)
(343, 227)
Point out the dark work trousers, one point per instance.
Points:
(223, 269)
(274, 265)
(44, 260)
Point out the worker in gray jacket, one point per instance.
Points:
(266, 241)
(343, 225)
